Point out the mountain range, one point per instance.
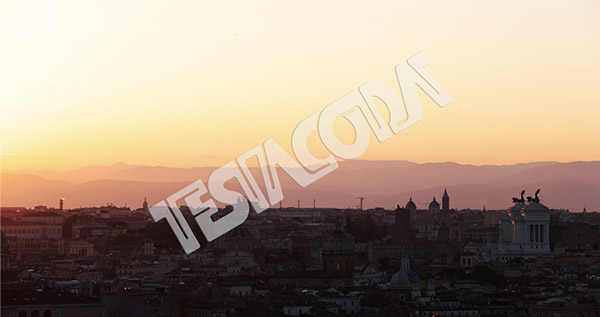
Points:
(572, 185)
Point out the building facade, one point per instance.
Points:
(523, 232)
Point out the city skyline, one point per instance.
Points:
(570, 186)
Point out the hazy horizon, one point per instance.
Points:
(3, 169)
(570, 185)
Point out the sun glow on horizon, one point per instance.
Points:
(197, 84)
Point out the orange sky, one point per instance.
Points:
(191, 84)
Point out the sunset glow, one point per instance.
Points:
(196, 84)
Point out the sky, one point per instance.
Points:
(193, 83)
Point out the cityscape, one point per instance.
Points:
(525, 260)
(299, 158)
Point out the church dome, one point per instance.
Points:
(434, 205)
(338, 241)
(405, 276)
(410, 205)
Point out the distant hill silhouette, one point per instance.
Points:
(383, 184)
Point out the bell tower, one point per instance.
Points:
(445, 202)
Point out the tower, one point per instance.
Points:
(61, 203)
(145, 205)
(445, 202)
(402, 230)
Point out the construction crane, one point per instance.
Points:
(361, 202)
